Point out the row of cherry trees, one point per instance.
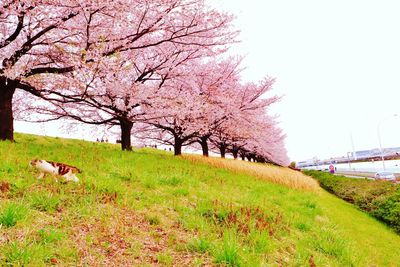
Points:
(208, 106)
(151, 67)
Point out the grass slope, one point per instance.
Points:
(380, 199)
(151, 208)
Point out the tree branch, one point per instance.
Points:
(15, 34)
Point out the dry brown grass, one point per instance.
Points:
(268, 172)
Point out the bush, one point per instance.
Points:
(379, 198)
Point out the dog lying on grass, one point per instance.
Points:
(55, 168)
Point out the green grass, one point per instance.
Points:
(378, 198)
(148, 207)
(200, 245)
(11, 214)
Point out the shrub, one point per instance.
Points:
(378, 198)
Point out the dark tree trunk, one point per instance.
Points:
(178, 146)
(222, 150)
(204, 145)
(248, 158)
(126, 128)
(7, 90)
(235, 152)
(243, 157)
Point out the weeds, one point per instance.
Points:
(153, 219)
(46, 236)
(245, 220)
(199, 245)
(4, 187)
(173, 181)
(12, 214)
(15, 255)
(46, 202)
(165, 259)
(180, 192)
(229, 253)
(330, 243)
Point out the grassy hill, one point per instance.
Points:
(148, 207)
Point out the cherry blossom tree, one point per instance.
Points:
(190, 106)
(210, 103)
(215, 81)
(174, 113)
(110, 92)
(120, 62)
(43, 44)
(30, 40)
(264, 144)
(250, 103)
(233, 117)
(267, 145)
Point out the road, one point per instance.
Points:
(356, 174)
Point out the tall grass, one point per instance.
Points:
(12, 214)
(271, 173)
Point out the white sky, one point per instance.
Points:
(337, 63)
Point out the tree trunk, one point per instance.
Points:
(126, 128)
(6, 113)
(178, 146)
(235, 152)
(248, 158)
(222, 150)
(204, 145)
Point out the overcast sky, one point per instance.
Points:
(337, 63)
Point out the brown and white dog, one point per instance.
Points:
(55, 168)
